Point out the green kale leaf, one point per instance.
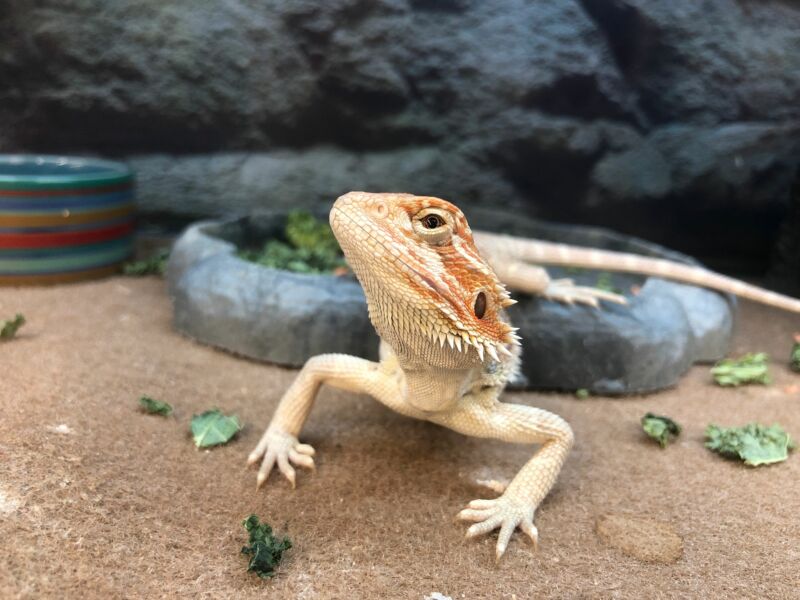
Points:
(311, 247)
(661, 429)
(213, 428)
(264, 549)
(154, 265)
(605, 282)
(279, 255)
(794, 363)
(9, 328)
(305, 231)
(154, 407)
(755, 444)
(750, 368)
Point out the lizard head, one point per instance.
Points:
(431, 296)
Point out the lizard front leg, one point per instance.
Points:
(279, 444)
(518, 424)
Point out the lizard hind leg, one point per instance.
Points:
(529, 279)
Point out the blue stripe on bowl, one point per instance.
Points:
(59, 203)
(64, 264)
(45, 210)
(56, 252)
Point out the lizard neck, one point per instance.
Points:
(436, 390)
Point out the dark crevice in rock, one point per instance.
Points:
(102, 130)
(736, 242)
(784, 272)
(549, 176)
(577, 95)
(631, 37)
(633, 41)
(371, 103)
(164, 222)
(454, 6)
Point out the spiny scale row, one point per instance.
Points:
(491, 348)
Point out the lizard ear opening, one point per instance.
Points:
(480, 305)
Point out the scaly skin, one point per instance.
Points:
(512, 257)
(447, 348)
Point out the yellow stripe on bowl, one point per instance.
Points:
(66, 217)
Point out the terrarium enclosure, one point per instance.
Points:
(189, 367)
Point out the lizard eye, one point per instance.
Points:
(480, 305)
(433, 225)
(432, 221)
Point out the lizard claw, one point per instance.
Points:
(282, 448)
(565, 290)
(504, 512)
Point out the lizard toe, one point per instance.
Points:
(505, 512)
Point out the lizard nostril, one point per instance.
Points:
(480, 305)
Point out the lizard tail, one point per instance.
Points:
(562, 255)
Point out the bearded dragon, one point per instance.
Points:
(447, 347)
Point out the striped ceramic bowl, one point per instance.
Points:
(63, 219)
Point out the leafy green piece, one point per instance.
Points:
(264, 549)
(155, 407)
(794, 363)
(605, 282)
(213, 428)
(311, 247)
(154, 265)
(280, 255)
(750, 368)
(9, 328)
(582, 394)
(755, 444)
(662, 429)
(305, 231)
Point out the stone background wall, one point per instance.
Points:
(678, 121)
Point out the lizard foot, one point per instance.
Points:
(504, 512)
(565, 290)
(282, 448)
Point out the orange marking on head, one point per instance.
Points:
(445, 273)
(456, 273)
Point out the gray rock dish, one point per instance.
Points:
(285, 318)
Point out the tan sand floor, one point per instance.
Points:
(100, 501)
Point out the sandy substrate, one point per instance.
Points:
(100, 501)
